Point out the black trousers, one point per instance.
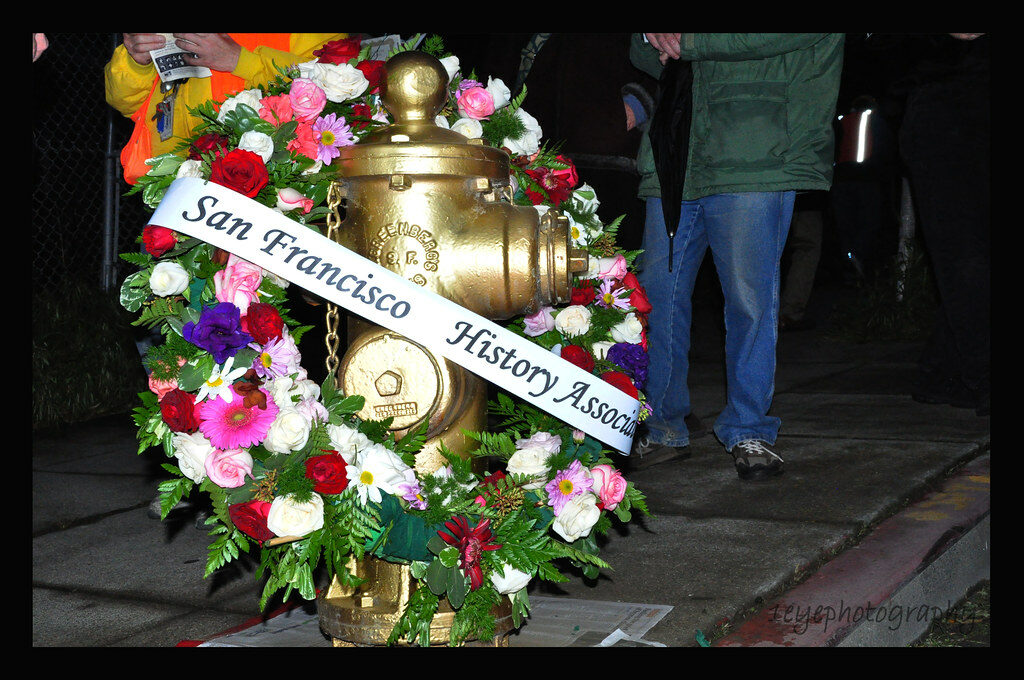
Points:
(944, 141)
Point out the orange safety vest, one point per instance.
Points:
(140, 146)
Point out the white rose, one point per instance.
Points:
(628, 330)
(467, 127)
(529, 142)
(259, 143)
(577, 517)
(190, 168)
(532, 462)
(315, 168)
(441, 122)
(551, 443)
(289, 431)
(510, 580)
(573, 320)
(250, 98)
(339, 82)
(191, 451)
(499, 92)
(451, 65)
(168, 278)
(347, 441)
(601, 348)
(289, 518)
(586, 198)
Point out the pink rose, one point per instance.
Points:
(276, 109)
(609, 485)
(162, 387)
(307, 99)
(304, 143)
(238, 283)
(614, 267)
(290, 199)
(539, 323)
(228, 468)
(476, 103)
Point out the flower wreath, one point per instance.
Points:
(285, 461)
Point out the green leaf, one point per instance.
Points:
(449, 557)
(457, 588)
(436, 577)
(134, 291)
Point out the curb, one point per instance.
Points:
(888, 589)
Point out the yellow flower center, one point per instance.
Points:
(266, 360)
(327, 138)
(366, 477)
(609, 298)
(215, 383)
(565, 486)
(575, 232)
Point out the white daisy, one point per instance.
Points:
(220, 381)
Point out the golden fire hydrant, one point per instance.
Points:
(434, 207)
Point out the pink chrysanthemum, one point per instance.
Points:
(233, 425)
(606, 297)
(330, 132)
(567, 484)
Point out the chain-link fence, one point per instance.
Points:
(80, 220)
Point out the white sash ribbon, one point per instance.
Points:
(265, 237)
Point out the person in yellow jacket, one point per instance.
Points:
(237, 61)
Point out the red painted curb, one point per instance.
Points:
(849, 589)
(248, 623)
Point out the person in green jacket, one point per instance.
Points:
(762, 107)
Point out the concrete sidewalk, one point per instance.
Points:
(721, 552)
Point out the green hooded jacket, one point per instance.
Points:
(763, 105)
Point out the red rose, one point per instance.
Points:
(638, 298)
(241, 171)
(578, 356)
(583, 295)
(373, 69)
(622, 381)
(251, 519)
(178, 409)
(328, 472)
(566, 175)
(158, 240)
(218, 144)
(361, 110)
(263, 322)
(338, 51)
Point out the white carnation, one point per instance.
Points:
(259, 143)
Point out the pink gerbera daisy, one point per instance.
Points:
(233, 425)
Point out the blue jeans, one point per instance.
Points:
(746, 233)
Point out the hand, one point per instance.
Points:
(630, 117)
(966, 36)
(138, 45)
(215, 51)
(667, 45)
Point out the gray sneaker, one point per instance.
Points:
(647, 453)
(755, 461)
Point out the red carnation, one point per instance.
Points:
(328, 471)
(211, 142)
(178, 409)
(638, 298)
(241, 171)
(373, 69)
(338, 51)
(622, 381)
(158, 240)
(251, 519)
(578, 356)
(583, 295)
(263, 322)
